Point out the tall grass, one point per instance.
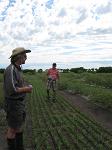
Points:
(97, 87)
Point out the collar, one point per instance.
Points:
(18, 67)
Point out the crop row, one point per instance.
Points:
(60, 125)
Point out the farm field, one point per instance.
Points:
(96, 87)
(60, 125)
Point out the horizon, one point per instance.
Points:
(62, 68)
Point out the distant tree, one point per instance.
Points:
(96, 69)
(104, 70)
(60, 70)
(40, 70)
(92, 70)
(66, 70)
(30, 71)
(78, 70)
(2, 70)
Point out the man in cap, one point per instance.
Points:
(14, 92)
(53, 76)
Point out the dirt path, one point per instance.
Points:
(99, 114)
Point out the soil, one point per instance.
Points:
(99, 114)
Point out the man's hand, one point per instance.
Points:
(25, 89)
(30, 87)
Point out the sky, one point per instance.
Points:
(72, 33)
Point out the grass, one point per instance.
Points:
(62, 126)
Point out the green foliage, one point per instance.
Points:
(66, 70)
(104, 70)
(62, 86)
(78, 70)
(1, 77)
(60, 125)
(95, 86)
(29, 71)
(40, 70)
(2, 70)
(100, 79)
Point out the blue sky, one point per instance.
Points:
(74, 33)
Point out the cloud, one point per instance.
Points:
(62, 13)
(104, 8)
(83, 16)
(57, 30)
(49, 4)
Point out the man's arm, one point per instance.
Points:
(25, 89)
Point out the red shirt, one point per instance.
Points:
(53, 73)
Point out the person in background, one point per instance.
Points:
(14, 93)
(53, 76)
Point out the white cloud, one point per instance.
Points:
(48, 31)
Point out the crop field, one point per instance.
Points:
(97, 87)
(61, 126)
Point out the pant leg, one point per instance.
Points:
(54, 89)
(49, 86)
(11, 144)
(19, 141)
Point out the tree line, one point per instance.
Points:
(92, 70)
(75, 70)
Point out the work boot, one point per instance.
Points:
(19, 141)
(11, 144)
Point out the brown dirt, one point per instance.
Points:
(102, 116)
